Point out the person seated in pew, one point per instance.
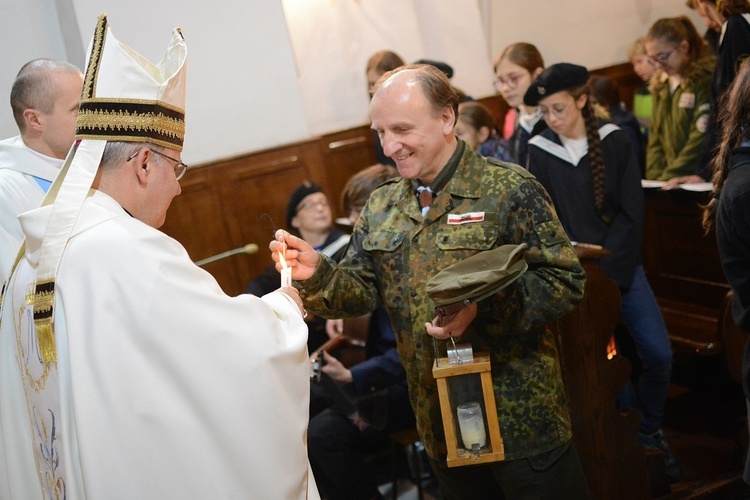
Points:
(591, 173)
(309, 215)
(357, 408)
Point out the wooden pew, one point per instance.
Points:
(684, 270)
(607, 441)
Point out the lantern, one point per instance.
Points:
(467, 400)
(467, 404)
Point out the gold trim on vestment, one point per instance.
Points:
(43, 302)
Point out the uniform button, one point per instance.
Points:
(414, 239)
(413, 293)
(418, 345)
(445, 239)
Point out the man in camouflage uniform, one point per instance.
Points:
(395, 250)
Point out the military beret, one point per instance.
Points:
(447, 69)
(476, 278)
(556, 78)
(303, 191)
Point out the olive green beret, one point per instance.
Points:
(477, 277)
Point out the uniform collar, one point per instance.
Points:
(447, 172)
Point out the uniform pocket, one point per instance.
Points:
(474, 236)
(383, 241)
(550, 233)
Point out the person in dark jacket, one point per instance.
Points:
(729, 210)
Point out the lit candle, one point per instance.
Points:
(286, 272)
(471, 423)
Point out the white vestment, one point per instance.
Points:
(166, 387)
(19, 192)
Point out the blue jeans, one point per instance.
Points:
(642, 317)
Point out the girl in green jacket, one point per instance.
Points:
(681, 98)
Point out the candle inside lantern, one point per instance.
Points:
(471, 423)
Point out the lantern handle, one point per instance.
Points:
(455, 351)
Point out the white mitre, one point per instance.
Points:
(127, 98)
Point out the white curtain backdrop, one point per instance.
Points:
(264, 73)
(333, 39)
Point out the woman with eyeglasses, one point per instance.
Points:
(515, 68)
(682, 97)
(590, 170)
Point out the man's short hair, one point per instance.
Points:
(34, 89)
(118, 152)
(433, 82)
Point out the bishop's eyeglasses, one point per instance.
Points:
(179, 169)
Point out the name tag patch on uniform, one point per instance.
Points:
(465, 218)
(687, 100)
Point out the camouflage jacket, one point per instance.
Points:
(394, 252)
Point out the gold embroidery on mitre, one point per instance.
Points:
(95, 58)
(131, 120)
(123, 121)
(44, 300)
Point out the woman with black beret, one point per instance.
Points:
(590, 169)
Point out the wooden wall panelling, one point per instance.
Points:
(626, 80)
(195, 218)
(343, 155)
(254, 193)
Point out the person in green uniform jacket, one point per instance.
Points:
(682, 96)
(396, 247)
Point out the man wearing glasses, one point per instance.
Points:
(125, 370)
